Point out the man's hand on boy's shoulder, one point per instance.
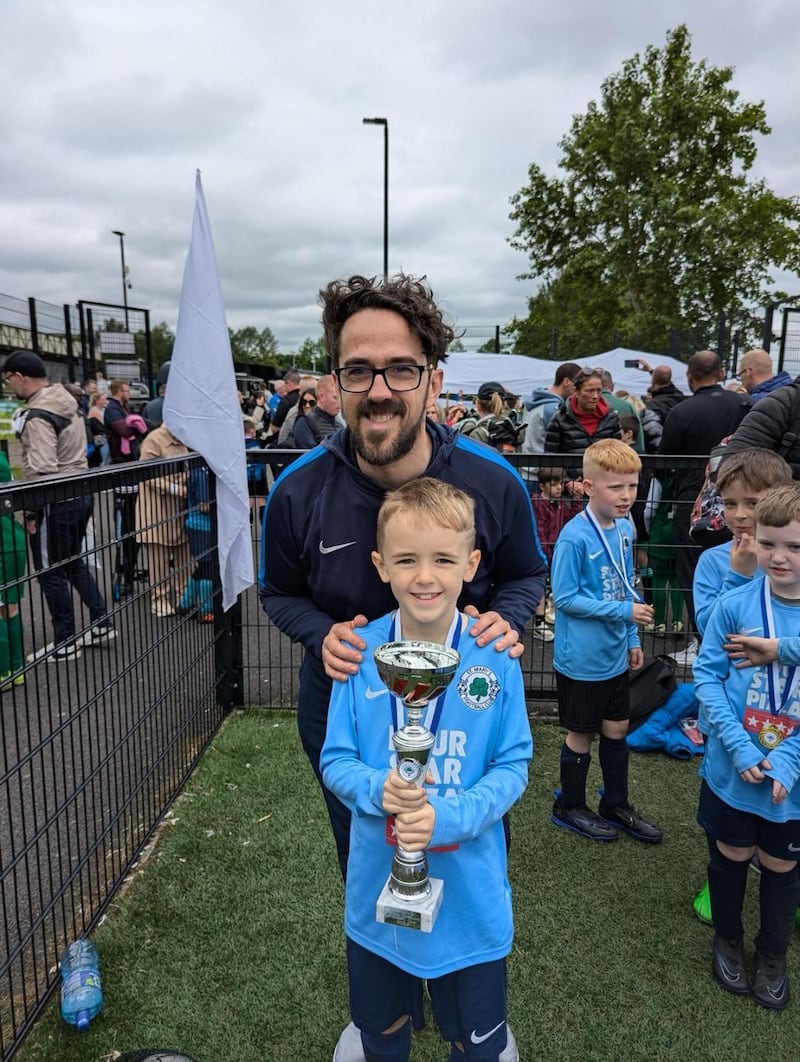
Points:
(490, 627)
(745, 650)
(342, 649)
(635, 659)
(743, 556)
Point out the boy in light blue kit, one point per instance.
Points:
(742, 480)
(478, 768)
(749, 798)
(597, 641)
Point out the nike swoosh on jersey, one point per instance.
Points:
(475, 1039)
(372, 694)
(594, 556)
(332, 549)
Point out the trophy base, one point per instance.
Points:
(418, 913)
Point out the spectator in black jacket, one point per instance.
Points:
(664, 397)
(291, 397)
(583, 418)
(772, 424)
(694, 427)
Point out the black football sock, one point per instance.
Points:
(727, 881)
(574, 769)
(614, 765)
(779, 896)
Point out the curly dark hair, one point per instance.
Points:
(411, 298)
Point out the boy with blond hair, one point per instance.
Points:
(597, 643)
(750, 798)
(477, 769)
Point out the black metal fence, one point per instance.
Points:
(97, 742)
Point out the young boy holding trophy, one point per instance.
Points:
(432, 761)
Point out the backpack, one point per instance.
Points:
(707, 525)
(57, 422)
(650, 687)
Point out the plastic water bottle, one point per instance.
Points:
(81, 991)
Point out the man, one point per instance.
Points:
(757, 375)
(663, 396)
(323, 420)
(53, 439)
(88, 388)
(124, 432)
(695, 426)
(274, 400)
(318, 585)
(543, 403)
(291, 396)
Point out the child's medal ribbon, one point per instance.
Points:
(618, 566)
(770, 735)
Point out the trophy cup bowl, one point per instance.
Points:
(416, 672)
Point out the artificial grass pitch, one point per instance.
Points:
(229, 947)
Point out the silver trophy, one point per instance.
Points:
(416, 672)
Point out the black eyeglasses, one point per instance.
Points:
(360, 378)
(308, 402)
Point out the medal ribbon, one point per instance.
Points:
(434, 710)
(774, 669)
(618, 568)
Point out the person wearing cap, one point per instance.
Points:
(490, 414)
(53, 439)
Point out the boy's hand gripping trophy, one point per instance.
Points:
(416, 672)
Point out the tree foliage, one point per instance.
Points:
(656, 222)
(250, 345)
(312, 354)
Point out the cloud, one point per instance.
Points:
(107, 110)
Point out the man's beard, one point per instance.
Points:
(387, 451)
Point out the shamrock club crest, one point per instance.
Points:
(478, 687)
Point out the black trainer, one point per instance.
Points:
(583, 821)
(631, 821)
(770, 981)
(727, 965)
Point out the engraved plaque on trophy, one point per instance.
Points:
(416, 673)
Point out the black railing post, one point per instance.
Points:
(228, 654)
(553, 342)
(766, 332)
(68, 341)
(34, 327)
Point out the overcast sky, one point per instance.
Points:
(107, 110)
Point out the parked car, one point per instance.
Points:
(140, 396)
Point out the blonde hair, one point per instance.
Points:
(610, 455)
(779, 506)
(429, 501)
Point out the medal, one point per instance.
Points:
(769, 736)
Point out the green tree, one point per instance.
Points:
(250, 345)
(456, 346)
(162, 340)
(656, 223)
(312, 354)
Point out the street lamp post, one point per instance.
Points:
(385, 123)
(116, 232)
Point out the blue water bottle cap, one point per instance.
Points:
(82, 1020)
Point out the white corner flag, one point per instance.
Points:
(201, 406)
